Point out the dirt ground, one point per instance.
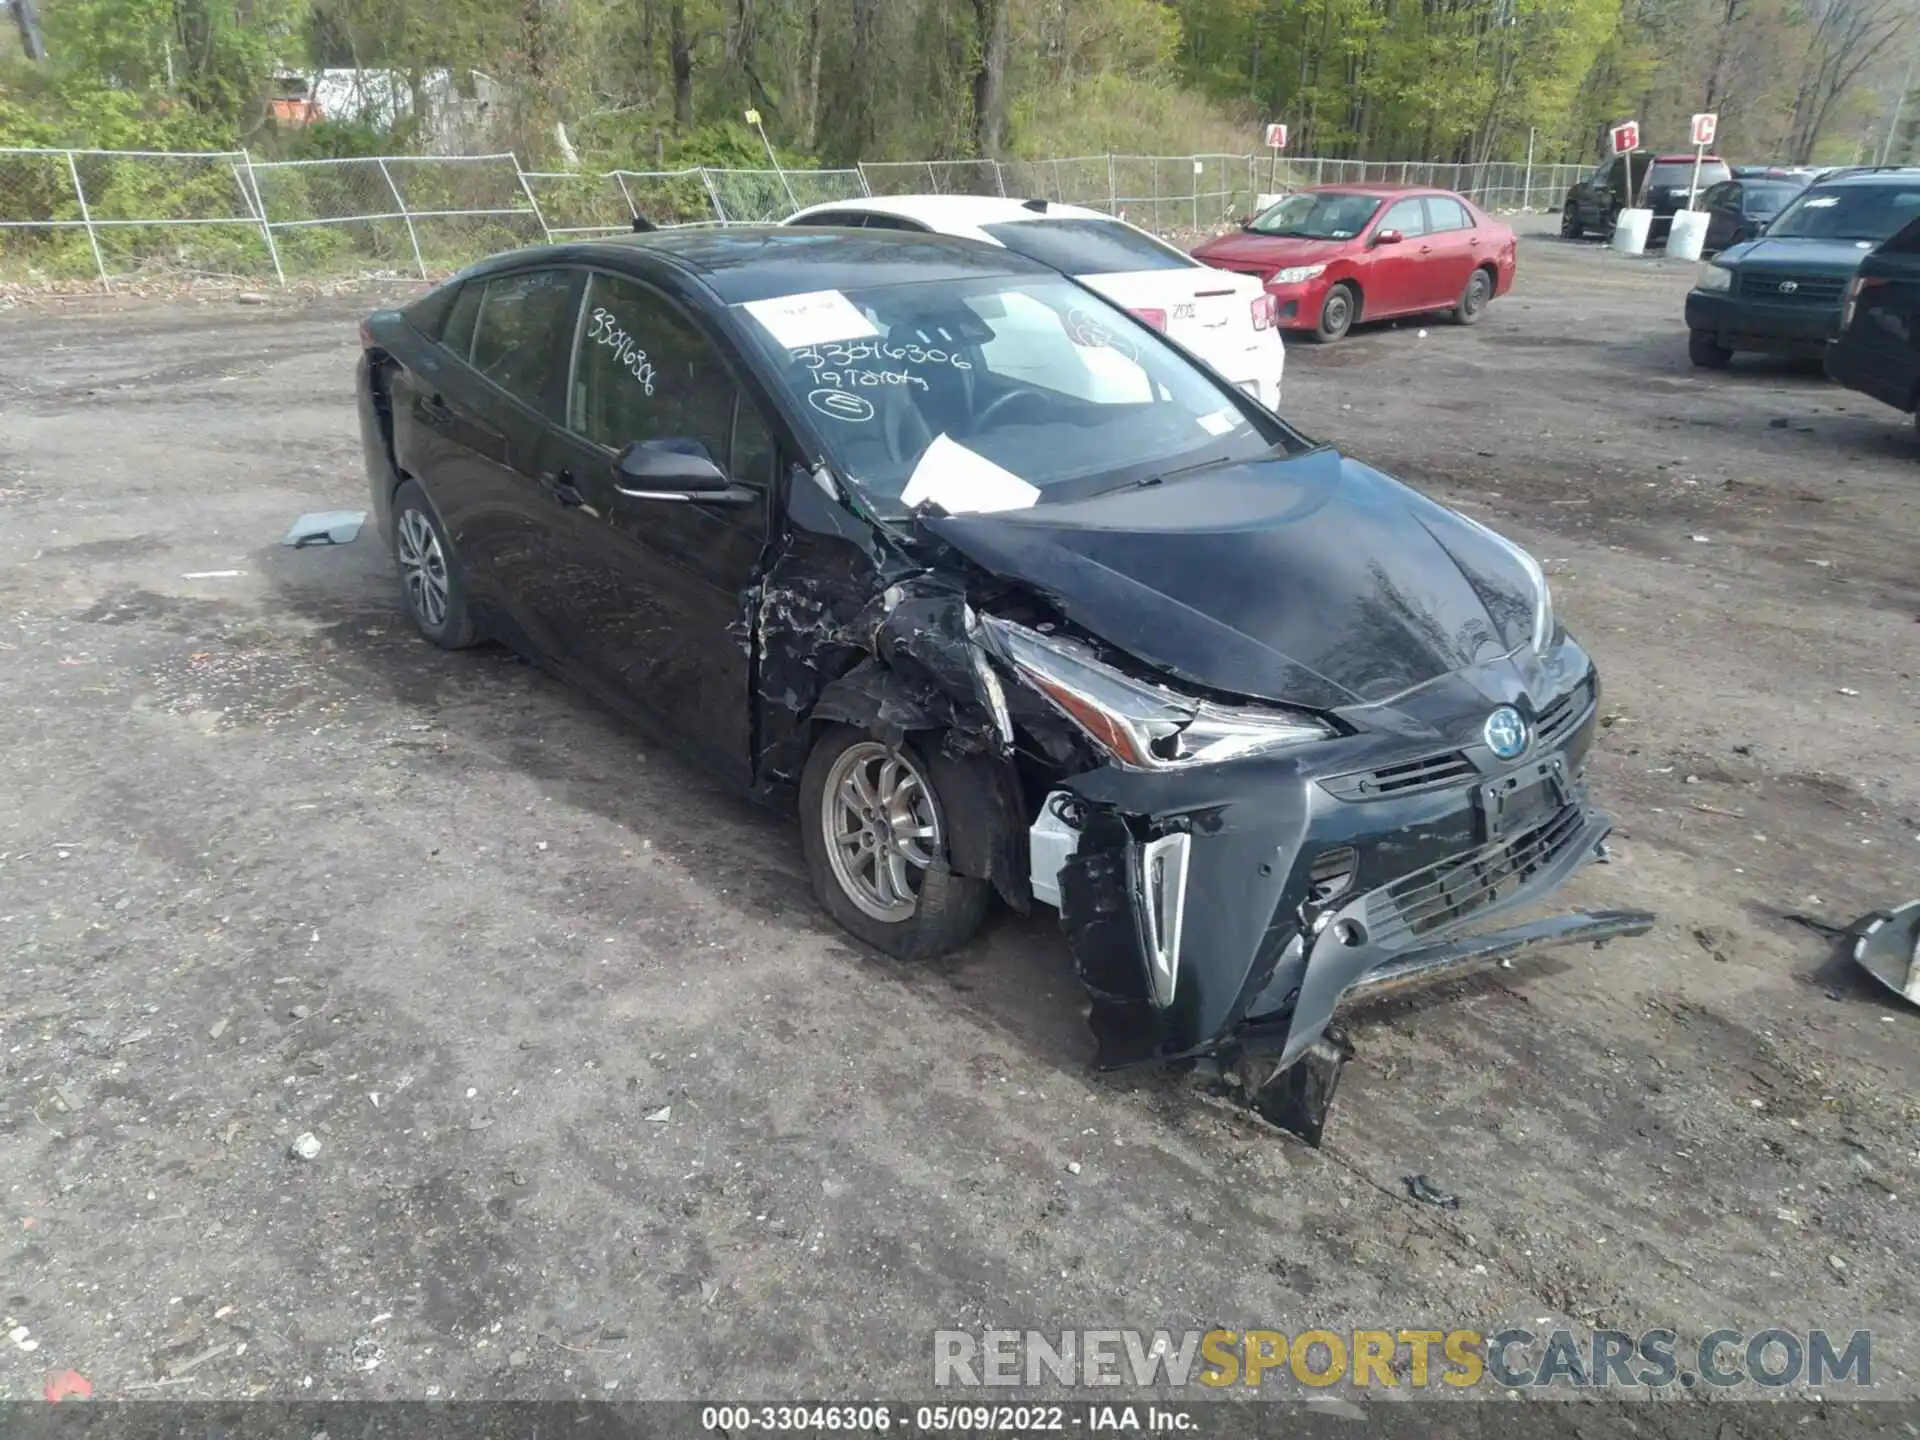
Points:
(606, 1106)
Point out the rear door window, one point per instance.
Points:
(518, 334)
(1088, 247)
(458, 334)
(1446, 213)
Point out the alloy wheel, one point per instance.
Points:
(881, 828)
(423, 565)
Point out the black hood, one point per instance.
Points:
(1311, 581)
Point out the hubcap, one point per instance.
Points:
(1336, 312)
(424, 568)
(881, 830)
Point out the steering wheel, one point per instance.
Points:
(1002, 402)
(906, 432)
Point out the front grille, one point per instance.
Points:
(1805, 289)
(1562, 715)
(1443, 894)
(1405, 777)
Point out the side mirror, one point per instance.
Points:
(1388, 237)
(1246, 222)
(666, 469)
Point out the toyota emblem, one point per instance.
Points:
(1506, 733)
(1787, 287)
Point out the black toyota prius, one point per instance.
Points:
(1010, 596)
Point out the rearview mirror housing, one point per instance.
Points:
(677, 465)
(1388, 237)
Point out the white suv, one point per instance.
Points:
(1223, 319)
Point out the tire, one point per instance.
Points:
(1570, 222)
(940, 911)
(1337, 312)
(1706, 352)
(1613, 221)
(1473, 299)
(430, 582)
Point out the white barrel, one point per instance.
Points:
(1630, 232)
(1688, 235)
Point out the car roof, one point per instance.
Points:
(1383, 190)
(1891, 175)
(949, 211)
(1687, 159)
(758, 262)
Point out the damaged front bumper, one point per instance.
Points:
(1236, 908)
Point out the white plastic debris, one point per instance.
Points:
(325, 527)
(306, 1146)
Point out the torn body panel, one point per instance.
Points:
(848, 628)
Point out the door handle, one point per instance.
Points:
(1474, 241)
(1426, 249)
(561, 488)
(436, 408)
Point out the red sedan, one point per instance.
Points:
(1337, 254)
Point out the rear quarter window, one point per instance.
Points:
(1088, 247)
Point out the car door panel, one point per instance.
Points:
(656, 588)
(1723, 206)
(473, 443)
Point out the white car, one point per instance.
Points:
(1224, 319)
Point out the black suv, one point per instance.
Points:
(1593, 204)
(1781, 294)
(1661, 183)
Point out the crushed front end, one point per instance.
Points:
(1229, 909)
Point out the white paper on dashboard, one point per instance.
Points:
(964, 483)
(817, 317)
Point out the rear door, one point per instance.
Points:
(659, 608)
(1397, 279)
(471, 432)
(1453, 249)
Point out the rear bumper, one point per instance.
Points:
(375, 446)
(1199, 923)
(1743, 324)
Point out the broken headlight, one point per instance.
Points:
(1146, 727)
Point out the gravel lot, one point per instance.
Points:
(605, 1105)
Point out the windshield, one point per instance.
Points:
(990, 394)
(1322, 215)
(1089, 247)
(1678, 174)
(1847, 212)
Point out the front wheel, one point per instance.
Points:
(876, 834)
(1336, 314)
(1706, 352)
(1474, 298)
(1570, 222)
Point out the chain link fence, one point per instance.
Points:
(120, 215)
